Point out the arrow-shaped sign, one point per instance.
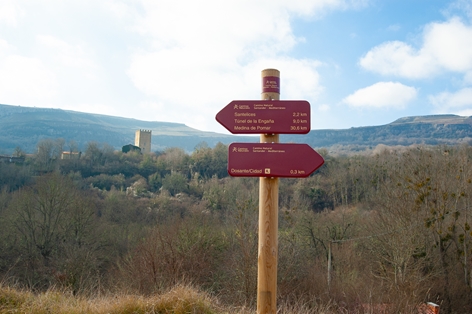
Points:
(272, 160)
(266, 116)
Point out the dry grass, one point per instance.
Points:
(179, 300)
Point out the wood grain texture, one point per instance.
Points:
(268, 227)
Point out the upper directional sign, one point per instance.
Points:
(266, 116)
(272, 160)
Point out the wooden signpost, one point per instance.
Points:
(266, 116)
(269, 160)
(272, 160)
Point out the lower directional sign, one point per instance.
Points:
(272, 160)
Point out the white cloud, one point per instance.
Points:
(26, 81)
(118, 8)
(67, 54)
(202, 55)
(178, 61)
(400, 59)
(5, 48)
(92, 107)
(450, 44)
(324, 107)
(459, 102)
(468, 78)
(382, 95)
(10, 12)
(212, 27)
(446, 47)
(465, 112)
(60, 54)
(462, 7)
(394, 27)
(195, 92)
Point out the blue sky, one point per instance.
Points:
(358, 62)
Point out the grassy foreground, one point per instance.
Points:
(179, 300)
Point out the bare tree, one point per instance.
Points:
(50, 217)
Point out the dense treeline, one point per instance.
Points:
(392, 227)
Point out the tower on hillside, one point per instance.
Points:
(143, 140)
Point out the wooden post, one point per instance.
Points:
(268, 214)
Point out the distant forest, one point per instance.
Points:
(389, 227)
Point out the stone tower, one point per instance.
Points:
(143, 140)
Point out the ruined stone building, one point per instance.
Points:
(143, 140)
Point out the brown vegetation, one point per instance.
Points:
(390, 229)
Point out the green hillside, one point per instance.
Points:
(429, 130)
(24, 126)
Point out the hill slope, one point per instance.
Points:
(430, 130)
(24, 126)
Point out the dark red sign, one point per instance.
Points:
(272, 160)
(271, 84)
(266, 116)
